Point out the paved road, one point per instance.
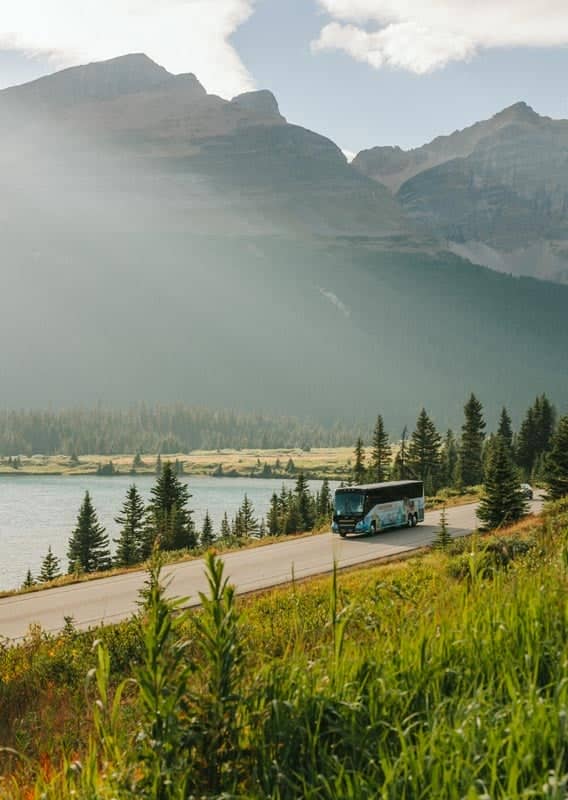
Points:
(113, 599)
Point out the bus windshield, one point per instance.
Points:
(349, 503)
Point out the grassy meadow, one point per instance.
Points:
(443, 676)
(321, 462)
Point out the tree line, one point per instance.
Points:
(166, 523)
(166, 429)
(457, 461)
(498, 461)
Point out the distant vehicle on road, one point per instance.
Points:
(527, 491)
(373, 507)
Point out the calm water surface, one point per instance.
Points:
(38, 511)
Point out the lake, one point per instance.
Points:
(38, 511)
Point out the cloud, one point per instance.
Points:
(181, 35)
(424, 35)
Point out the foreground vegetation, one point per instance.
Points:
(444, 676)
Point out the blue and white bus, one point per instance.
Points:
(376, 506)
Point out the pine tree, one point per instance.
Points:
(29, 580)
(88, 549)
(471, 448)
(535, 434)
(274, 524)
(304, 503)
(225, 532)
(505, 428)
(131, 544)
(443, 537)
(324, 501)
(168, 517)
(248, 521)
(502, 501)
(450, 458)
(557, 462)
(424, 452)
(359, 469)
(207, 536)
(50, 568)
(381, 453)
(262, 531)
(158, 468)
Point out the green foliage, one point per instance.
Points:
(502, 500)
(505, 428)
(381, 453)
(50, 567)
(207, 536)
(471, 446)
(557, 462)
(88, 549)
(424, 456)
(166, 429)
(359, 468)
(131, 542)
(168, 516)
(535, 433)
(29, 580)
(443, 536)
(399, 681)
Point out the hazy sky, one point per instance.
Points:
(363, 72)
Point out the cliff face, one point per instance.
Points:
(497, 192)
(242, 153)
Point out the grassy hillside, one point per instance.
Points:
(444, 676)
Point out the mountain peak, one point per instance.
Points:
(518, 112)
(260, 102)
(100, 80)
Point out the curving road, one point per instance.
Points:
(113, 599)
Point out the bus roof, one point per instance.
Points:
(365, 487)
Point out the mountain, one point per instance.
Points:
(497, 192)
(160, 243)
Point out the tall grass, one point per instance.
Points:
(408, 683)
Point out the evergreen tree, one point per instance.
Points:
(29, 580)
(88, 549)
(274, 524)
(557, 462)
(225, 532)
(168, 517)
(290, 467)
(505, 428)
(137, 461)
(262, 531)
(381, 453)
(401, 458)
(502, 501)
(324, 505)
(304, 503)
(535, 433)
(443, 537)
(247, 519)
(359, 469)
(158, 468)
(207, 536)
(131, 544)
(50, 568)
(471, 448)
(424, 452)
(450, 459)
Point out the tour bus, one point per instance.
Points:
(376, 506)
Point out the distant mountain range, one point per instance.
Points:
(162, 243)
(497, 192)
